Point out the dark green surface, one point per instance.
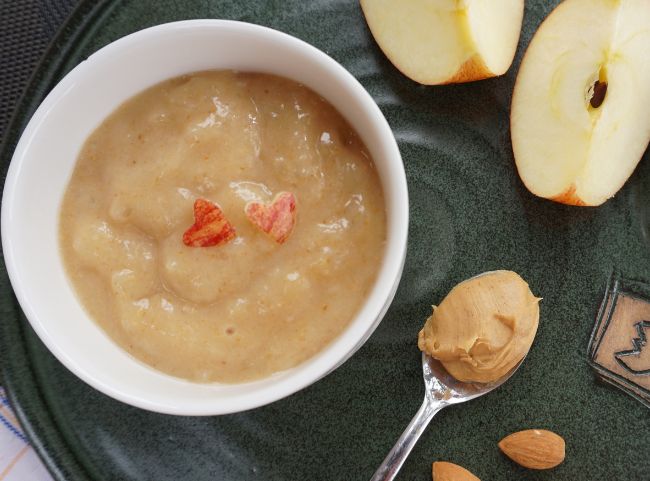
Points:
(470, 213)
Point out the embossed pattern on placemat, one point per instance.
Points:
(618, 349)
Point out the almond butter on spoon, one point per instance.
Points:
(483, 328)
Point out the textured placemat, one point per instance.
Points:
(26, 29)
(18, 461)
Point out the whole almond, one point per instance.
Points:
(534, 448)
(444, 471)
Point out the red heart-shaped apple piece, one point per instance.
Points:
(211, 228)
(277, 218)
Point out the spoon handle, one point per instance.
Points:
(395, 459)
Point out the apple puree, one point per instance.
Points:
(251, 306)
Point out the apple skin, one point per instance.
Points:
(569, 197)
(472, 70)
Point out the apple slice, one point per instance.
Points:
(277, 218)
(210, 228)
(446, 41)
(579, 117)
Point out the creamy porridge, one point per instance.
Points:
(223, 226)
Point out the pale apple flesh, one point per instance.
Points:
(579, 117)
(494, 27)
(446, 41)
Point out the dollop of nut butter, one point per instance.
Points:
(483, 328)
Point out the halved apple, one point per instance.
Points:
(446, 41)
(580, 118)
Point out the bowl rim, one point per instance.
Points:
(395, 259)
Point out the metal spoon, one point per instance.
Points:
(441, 390)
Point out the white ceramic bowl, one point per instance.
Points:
(44, 160)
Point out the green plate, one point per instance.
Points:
(470, 213)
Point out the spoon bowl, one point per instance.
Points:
(442, 386)
(441, 390)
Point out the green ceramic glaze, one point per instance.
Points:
(470, 213)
